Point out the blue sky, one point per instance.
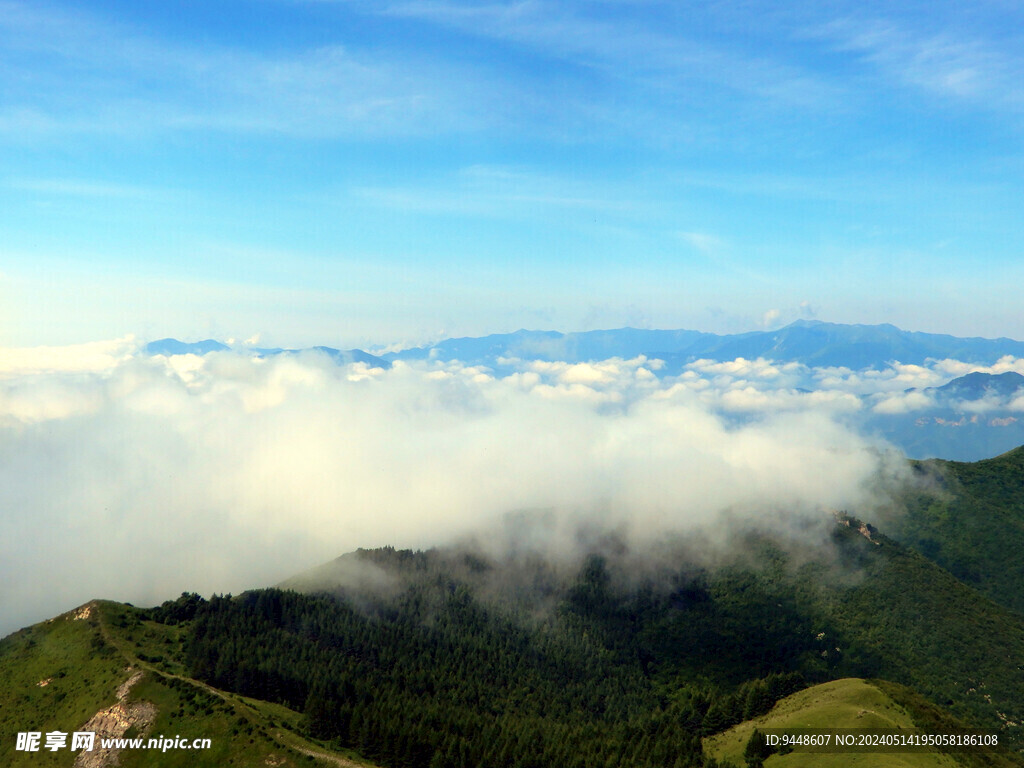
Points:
(356, 172)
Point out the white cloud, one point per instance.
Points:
(499, 192)
(749, 399)
(227, 471)
(903, 402)
(982, 405)
(703, 242)
(637, 49)
(328, 91)
(741, 367)
(948, 62)
(955, 368)
(91, 357)
(896, 377)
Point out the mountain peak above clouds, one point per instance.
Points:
(972, 417)
(978, 384)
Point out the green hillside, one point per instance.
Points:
(858, 705)
(454, 658)
(615, 671)
(969, 519)
(59, 674)
(431, 667)
(895, 615)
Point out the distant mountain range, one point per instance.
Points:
(340, 356)
(809, 342)
(967, 419)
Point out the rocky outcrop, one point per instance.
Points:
(114, 722)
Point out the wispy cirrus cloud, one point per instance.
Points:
(647, 47)
(946, 61)
(80, 188)
(705, 242)
(502, 191)
(71, 72)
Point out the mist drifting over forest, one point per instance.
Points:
(136, 476)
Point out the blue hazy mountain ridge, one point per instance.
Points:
(810, 342)
(552, 345)
(978, 385)
(971, 419)
(340, 356)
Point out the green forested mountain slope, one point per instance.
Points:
(433, 671)
(615, 671)
(898, 616)
(969, 519)
(456, 657)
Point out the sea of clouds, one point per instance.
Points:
(135, 477)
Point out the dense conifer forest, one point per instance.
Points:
(435, 670)
(438, 679)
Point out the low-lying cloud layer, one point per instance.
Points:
(135, 477)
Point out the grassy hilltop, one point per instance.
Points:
(58, 674)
